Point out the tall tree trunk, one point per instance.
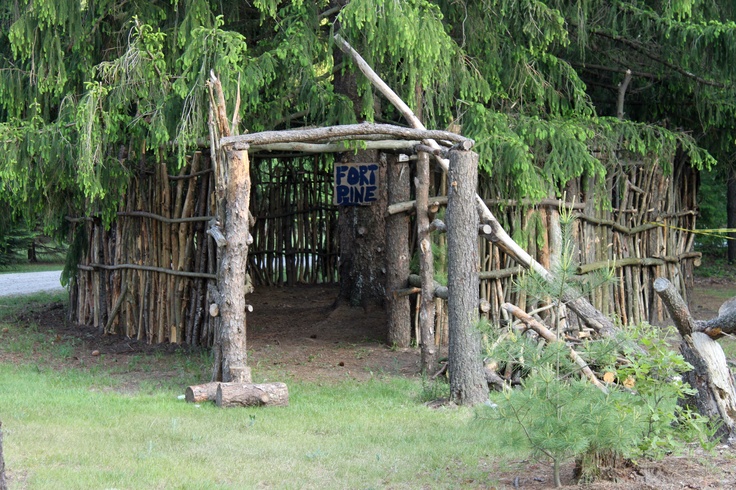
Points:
(362, 229)
(362, 232)
(397, 255)
(731, 212)
(467, 381)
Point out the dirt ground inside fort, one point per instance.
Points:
(298, 333)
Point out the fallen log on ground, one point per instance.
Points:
(201, 393)
(711, 377)
(252, 395)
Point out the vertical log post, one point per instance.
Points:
(397, 254)
(232, 276)
(426, 267)
(230, 351)
(468, 384)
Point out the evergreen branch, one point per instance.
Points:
(640, 49)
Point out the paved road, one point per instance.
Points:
(29, 282)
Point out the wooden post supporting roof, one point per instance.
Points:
(234, 196)
(468, 384)
(397, 254)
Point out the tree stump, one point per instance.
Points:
(252, 395)
(716, 393)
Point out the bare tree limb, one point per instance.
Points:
(347, 131)
(549, 336)
(622, 94)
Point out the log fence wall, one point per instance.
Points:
(147, 276)
(643, 234)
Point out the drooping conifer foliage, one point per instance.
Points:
(89, 89)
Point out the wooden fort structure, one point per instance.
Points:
(158, 251)
(157, 274)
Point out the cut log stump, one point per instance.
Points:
(201, 393)
(252, 395)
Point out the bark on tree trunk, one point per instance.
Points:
(711, 377)
(397, 255)
(233, 189)
(731, 211)
(363, 243)
(426, 268)
(468, 384)
(252, 395)
(232, 274)
(362, 229)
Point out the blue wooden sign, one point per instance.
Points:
(356, 183)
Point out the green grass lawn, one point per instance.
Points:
(80, 427)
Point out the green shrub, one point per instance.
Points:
(559, 416)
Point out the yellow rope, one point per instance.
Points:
(714, 232)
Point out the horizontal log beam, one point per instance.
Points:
(408, 206)
(501, 273)
(201, 393)
(164, 219)
(190, 176)
(640, 261)
(245, 141)
(440, 291)
(397, 145)
(171, 272)
(252, 395)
